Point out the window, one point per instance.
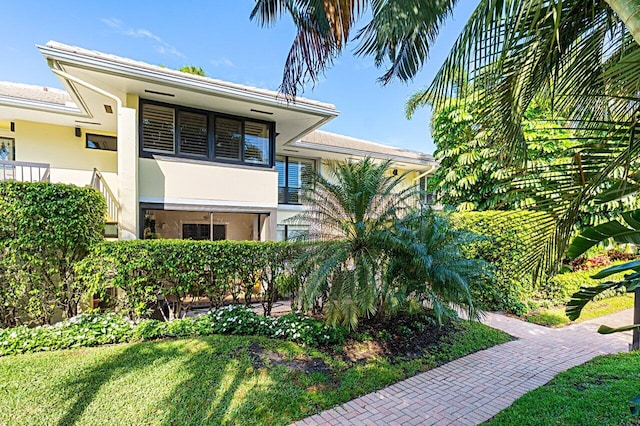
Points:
(7, 149)
(196, 231)
(185, 132)
(294, 174)
(193, 134)
(256, 143)
(106, 143)
(428, 198)
(158, 125)
(202, 231)
(288, 232)
(228, 139)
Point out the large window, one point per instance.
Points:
(183, 132)
(294, 174)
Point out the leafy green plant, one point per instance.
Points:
(45, 228)
(629, 232)
(171, 275)
(504, 245)
(370, 254)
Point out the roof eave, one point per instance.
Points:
(185, 82)
(363, 153)
(39, 106)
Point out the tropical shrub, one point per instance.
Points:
(170, 275)
(45, 228)
(559, 288)
(504, 243)
(363, 235)
(98, 329)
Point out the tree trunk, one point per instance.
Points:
(636, 320)
(629, 12)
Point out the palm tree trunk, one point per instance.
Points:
(629, 12)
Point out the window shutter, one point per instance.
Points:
(228, 138)
(158, 124)
(193, 134)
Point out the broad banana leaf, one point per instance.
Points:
(629, 232)
(586, 294)
(603, 329)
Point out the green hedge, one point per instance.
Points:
(504, 242)
(168, 274)
(44, 229)
(559, 289)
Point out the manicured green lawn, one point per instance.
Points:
(209, 380)
(555, 317)
(595, 393)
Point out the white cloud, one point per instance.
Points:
(222, 62)
(162, 46)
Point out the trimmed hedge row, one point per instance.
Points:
(505, 241)
(45, 229)
(170, 275)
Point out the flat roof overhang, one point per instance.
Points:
(120, 77)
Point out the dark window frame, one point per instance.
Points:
(88, 135)
(211, 118)
(286, 178)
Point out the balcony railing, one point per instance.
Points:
(24, 172)
(98, 182)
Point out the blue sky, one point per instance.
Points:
(218, 36)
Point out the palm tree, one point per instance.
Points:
(363, 239)
(402, 32)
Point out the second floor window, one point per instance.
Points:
(181, 132)
(294, 174)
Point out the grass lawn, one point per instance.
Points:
(595, 393)
(209, 380)
(555, 317)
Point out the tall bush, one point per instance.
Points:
(504, 243)
(169, 275)
(44, 229)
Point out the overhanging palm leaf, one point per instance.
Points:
(627, 233)
(399, 33)
(579, 54)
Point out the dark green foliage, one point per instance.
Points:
(172, 274)
(372, 255)
(100, 329)
(559, 288)
(44, 229)
(504, 245)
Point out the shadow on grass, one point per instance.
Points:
(218, 383)
(85, 384)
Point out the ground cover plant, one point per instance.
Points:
(595, 393)
(222, 379)
(95, 329)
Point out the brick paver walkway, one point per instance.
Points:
(472, 389)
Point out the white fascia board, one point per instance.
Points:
(177, 81)
(361, 153)
(39, 106)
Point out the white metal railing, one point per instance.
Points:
(99, 183)
(23, 171)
